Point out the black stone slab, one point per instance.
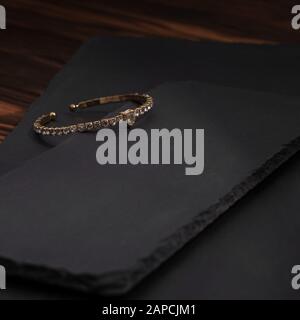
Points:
(269, 68)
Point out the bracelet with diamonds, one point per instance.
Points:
(144, 101)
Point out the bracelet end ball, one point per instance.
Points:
(52, 115)
(72, 107)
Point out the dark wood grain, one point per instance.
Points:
(42, 35)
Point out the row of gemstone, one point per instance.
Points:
(87, 126)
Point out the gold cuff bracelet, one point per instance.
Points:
(144, 101)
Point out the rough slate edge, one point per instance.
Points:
(118, 283)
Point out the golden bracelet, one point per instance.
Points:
(130, 115)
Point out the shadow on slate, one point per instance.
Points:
(105, 66)
(101, 229)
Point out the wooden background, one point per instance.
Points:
(42, 35)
